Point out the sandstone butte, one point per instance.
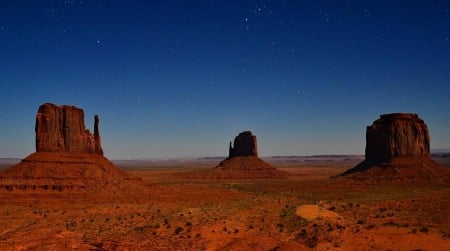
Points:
(398, 149)
(68, 162)
(243, 161)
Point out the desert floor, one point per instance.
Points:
(307, 211)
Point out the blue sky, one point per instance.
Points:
(182, 78)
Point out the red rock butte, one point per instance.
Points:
(244, 145)
(68, 163)
(398, 149)
(243, 161)
(62, 129)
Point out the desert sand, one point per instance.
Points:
(244, 214)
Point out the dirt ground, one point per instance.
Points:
(308, 210)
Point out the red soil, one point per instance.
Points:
(77, 175)
(400, 170)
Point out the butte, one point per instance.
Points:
(243, 161)
(68, 163)
(398, 150)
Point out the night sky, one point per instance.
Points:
(183, 78)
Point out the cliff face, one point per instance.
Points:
(397, 135)
(244, 145)
(398, 150)
(62, 129)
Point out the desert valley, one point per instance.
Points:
(225, 125)
(67, 195)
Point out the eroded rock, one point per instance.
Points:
(243, 161)
(68, 161)
(62, 129)
(245, 144)
(398, 149)
(397, 135)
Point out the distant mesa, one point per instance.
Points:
(244, 145)
(68, 160)
(397, 149)
(243, 161)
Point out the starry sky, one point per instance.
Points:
(183, 78)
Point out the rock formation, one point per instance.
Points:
(244, 145)
(68, 160)
(397, 135)
(62, 129)
(397, 148)
(243, 161)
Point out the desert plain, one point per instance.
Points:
(309, 209)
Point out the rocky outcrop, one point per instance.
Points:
(397, 135)
(97, 140)
(244, 145)
(62, 129)
(397, 148)
(69, 161)
(243, 161)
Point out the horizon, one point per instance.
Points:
(180, 78)
(200, 157)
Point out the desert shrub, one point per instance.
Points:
(71, 224)
(302, 234)
(391, 223)
(424, 230)
(312, 242)
(178, 230)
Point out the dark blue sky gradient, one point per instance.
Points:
(182, 78)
